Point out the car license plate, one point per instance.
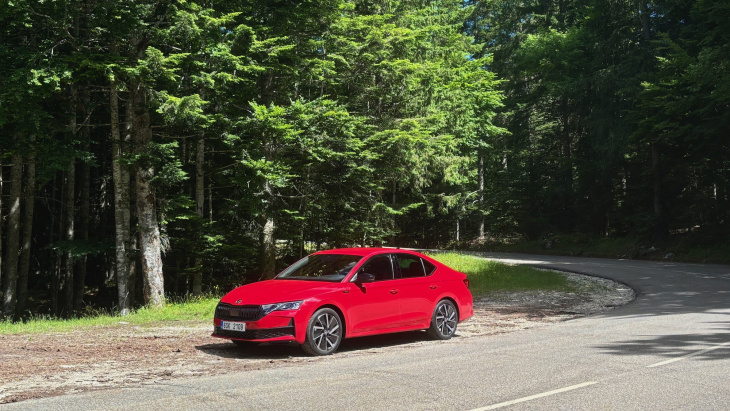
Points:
(231, 326)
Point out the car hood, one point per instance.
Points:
(277, 291)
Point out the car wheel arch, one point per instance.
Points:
(339, 312)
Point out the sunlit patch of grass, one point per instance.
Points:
(188, 309)
(485, 276)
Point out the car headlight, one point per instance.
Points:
(291, 305)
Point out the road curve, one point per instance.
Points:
(668, 349)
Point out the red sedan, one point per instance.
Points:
(343, 293)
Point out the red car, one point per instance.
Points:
(343, 293)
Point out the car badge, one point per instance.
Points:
(239, 301)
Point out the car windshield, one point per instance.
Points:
(321, 267)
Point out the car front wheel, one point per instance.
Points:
(324, 332)
(444, 321)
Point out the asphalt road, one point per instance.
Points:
(667, 350)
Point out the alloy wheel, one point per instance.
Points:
(326, 331)
(446, 319)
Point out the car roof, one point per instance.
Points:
(363, 251)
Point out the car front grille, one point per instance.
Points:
(262, 334)
(239, 312)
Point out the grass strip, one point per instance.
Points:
(189, 309)
(485, 276)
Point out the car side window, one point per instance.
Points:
(380, 266)
(410, 266)
(429, 267)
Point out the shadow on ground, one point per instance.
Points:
(707, 347)
(227, 349)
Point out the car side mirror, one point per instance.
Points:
(363, 278)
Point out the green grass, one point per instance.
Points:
(191, 309)
(485, 276)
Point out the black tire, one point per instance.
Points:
(324, 332)
(444, 321)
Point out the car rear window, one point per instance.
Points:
(430, 268)
(410, 266)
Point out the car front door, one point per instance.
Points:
(374, 305)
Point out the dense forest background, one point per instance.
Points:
(150, 149)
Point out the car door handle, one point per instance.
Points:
(394, 291)
(433, 287)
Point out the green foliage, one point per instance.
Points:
(350, 122)
(591, 89)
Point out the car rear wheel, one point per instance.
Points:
(324, 332)
(444, 321)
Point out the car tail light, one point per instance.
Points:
(466, 282)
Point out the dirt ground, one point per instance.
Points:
(43, 365)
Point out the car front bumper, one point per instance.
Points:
(278, 326)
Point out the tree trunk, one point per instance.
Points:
(13, 237)
(302, 226)
(656, 183)
(645, 23)
(134, 263)
(121, 207)
(70, 233)
(268, 248)
(27, 233)
(481, 196)
(56, 209)
(67, 281)
(200, 208)
(200, 177)
(660, 228)
(1, 219)
(395, 187)
(149, 230)
(210, 197)
(393, 223)
(84, 210)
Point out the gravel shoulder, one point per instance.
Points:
(43, 365)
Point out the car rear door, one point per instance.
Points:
(417, 289)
